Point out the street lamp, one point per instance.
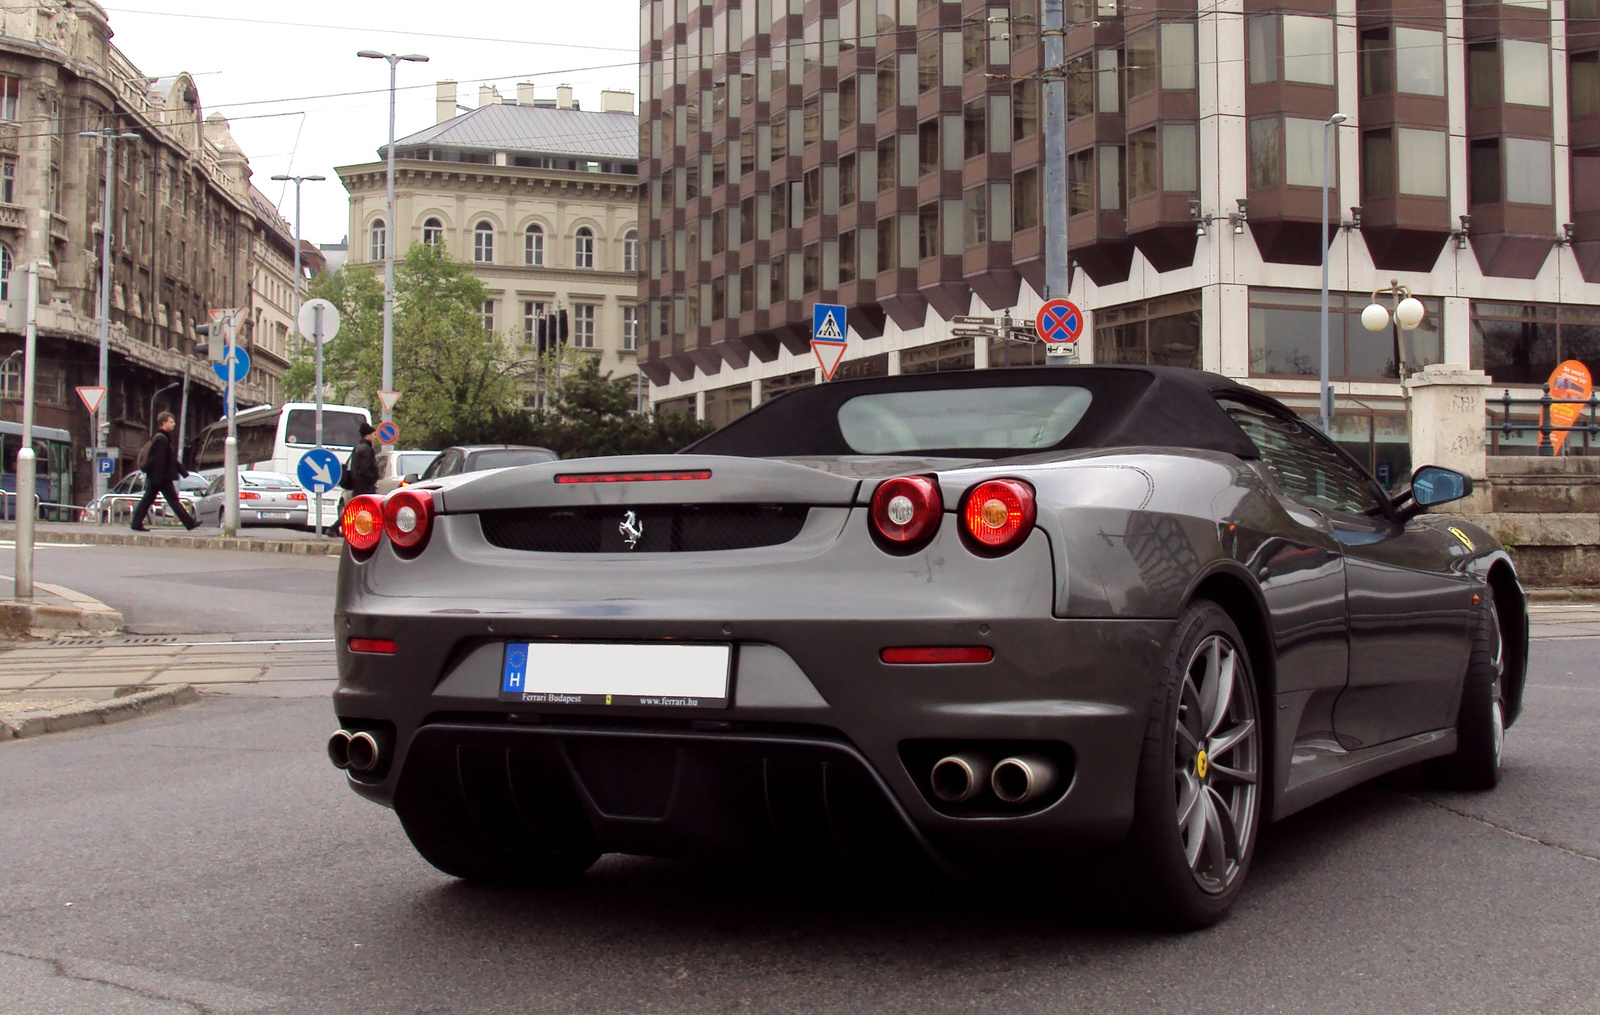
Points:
(158, 394)
(297, 180)
(110, 135)
(1408, 314)
(390, 232)
(1325, 396)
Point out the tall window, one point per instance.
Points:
(533, 246)
(10, 94)
(5, 272)
(8, 179)
(1293, 47)
(379, 236)
(630, 252)
(630, 328)
(583, 326)
(433, 232)
(583, 248)
(486, 314)
(483, 243)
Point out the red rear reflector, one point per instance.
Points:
(937, 654)
(374, 646)
(631, 477)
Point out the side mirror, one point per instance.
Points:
(408, 479)
(1432, 485)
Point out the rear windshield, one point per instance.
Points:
(414, 461)
(268, 480)
(340, 429)
(511, 456)
(1017, 419)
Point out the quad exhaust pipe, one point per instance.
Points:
(359, 751)
(1023, 779)
(960, 777)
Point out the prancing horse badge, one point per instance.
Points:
(632, 529)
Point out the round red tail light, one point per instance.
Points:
(906, 512)
(362, 523)
(998, 515)
(408, 520)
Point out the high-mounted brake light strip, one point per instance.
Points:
(630, 477)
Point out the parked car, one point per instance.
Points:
(265, 498)
(975, 622)
(481, 457)
(397, 468)
(116, 506)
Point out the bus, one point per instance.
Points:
(273, 438)
(52, 449)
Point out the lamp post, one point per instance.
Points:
(158, 394)
(390, 232)
(297, 181)
(1408, 314)
(1325, 393)
(110, 136)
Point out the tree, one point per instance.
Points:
(460, 385)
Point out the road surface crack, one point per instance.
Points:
(1507, 829)
(60, 969)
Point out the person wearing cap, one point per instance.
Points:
(363, 465)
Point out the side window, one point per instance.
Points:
(1305, 466)
(435, 468)
(215, 486)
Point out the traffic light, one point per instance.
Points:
(213, 342)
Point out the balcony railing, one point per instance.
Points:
(1545, 426)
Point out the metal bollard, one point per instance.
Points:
(27, 510)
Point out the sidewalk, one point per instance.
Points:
(55, 611)
(258, 540)
(100, 668)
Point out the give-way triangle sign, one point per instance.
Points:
(92, 397)
(388, 398)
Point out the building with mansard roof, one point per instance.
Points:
(538, 196)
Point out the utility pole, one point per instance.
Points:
(27, 486)
(109, 136)
(391, 232)
(1057, 279)
(297, 181)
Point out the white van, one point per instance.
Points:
(273, 438)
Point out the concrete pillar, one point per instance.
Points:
(1445, 404)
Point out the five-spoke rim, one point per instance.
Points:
(1216, 765)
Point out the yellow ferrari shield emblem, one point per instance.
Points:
(1200, 764)
(608, 699)
(1463, 537)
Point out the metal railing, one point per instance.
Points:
(1546, 427)
(114, 510)
(45, 510)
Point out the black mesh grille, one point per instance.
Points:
(671, 528)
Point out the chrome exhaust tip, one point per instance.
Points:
(364, 752)
(959, 777)
(1023, 778)
(339, 749)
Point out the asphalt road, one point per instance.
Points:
(210, 860)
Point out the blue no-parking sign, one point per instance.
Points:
(319, 470)
(1060, 322)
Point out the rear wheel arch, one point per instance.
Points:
(1513, 610)
(1240, 598)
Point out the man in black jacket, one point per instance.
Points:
(162, 469)
(364, 463)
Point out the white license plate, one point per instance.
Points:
(272, 516)
(587, 673)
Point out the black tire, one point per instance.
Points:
(1174, 879)
(1480, 723)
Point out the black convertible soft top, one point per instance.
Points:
(1168, 407)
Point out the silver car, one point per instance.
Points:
(265, 498)
(116, 506)
(395, 466)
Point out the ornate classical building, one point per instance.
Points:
(887, 156)
(540, 197)
(185, 233)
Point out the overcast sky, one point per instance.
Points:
(276, 70)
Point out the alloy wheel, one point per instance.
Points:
(1497, 714)
(1216, 765)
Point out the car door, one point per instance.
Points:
(1407, 614)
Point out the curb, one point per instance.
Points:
(1576, 594)
(303, 547)
(98, 713)
(83, 615)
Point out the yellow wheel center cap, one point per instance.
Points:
(1200, 764)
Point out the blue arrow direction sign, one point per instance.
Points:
(319, 470)
(240, 364)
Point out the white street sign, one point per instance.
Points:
(308, 320)
(388, 398)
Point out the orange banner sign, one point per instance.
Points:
(1570, 380)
